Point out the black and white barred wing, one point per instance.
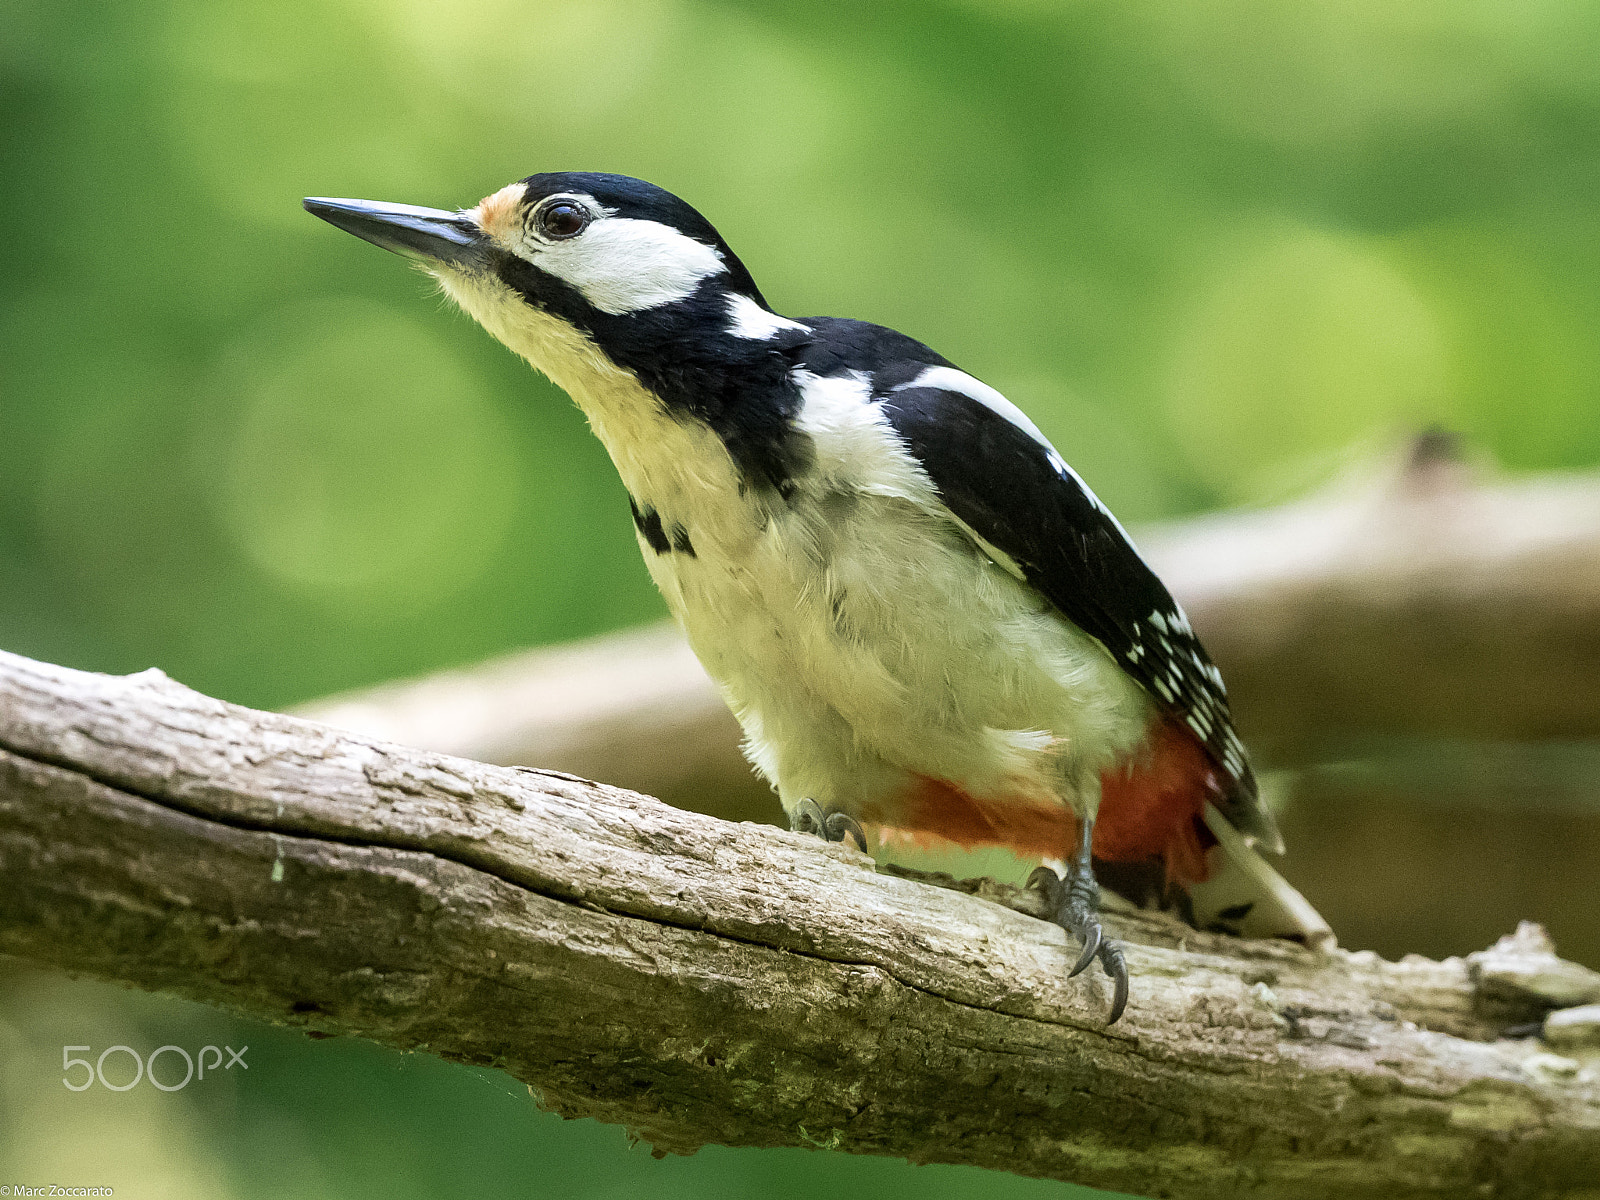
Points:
(1016, 495)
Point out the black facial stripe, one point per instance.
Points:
(741, 387)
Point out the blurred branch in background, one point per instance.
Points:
(1418, 651)
(633, 708)
(1420, 603)
(702, 982)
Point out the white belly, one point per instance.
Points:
(862, 638)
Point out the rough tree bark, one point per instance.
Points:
(700, 981)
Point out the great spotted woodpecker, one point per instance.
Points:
(922, 617)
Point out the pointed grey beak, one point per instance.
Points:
(428, 235)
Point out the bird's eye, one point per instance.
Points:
(563, 219)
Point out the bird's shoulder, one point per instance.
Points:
(840, 345)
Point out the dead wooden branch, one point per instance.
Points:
(702, 982)
(634, 708)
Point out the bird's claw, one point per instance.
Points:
(1091, 946)
(1073, 905)
(808, 817)
(1116, 968)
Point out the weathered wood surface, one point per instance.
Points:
(705, 982)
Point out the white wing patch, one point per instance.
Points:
(625, 265)
(948, 379)
(752, 321)
(857, 448)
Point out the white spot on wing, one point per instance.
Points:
(752, 321)
(839, 411)
(857, 448)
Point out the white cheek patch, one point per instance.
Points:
(623, 265)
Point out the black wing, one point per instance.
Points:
(1002, 480)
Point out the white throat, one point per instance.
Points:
(654, 452)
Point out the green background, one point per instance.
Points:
(1217, 249)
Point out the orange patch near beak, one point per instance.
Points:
(500, 215)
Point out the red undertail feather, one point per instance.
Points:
(1151, 807)
(1154, 806)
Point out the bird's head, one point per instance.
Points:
(559, 265)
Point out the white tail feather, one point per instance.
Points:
(1242, 877)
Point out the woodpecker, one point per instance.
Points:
(922, 617)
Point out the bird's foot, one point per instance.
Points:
(808, 817)
(1074, 904)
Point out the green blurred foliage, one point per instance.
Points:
(1209, 246)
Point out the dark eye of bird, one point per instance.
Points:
(563, 219)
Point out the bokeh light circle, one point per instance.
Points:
(1301, 344)
(362, 462)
